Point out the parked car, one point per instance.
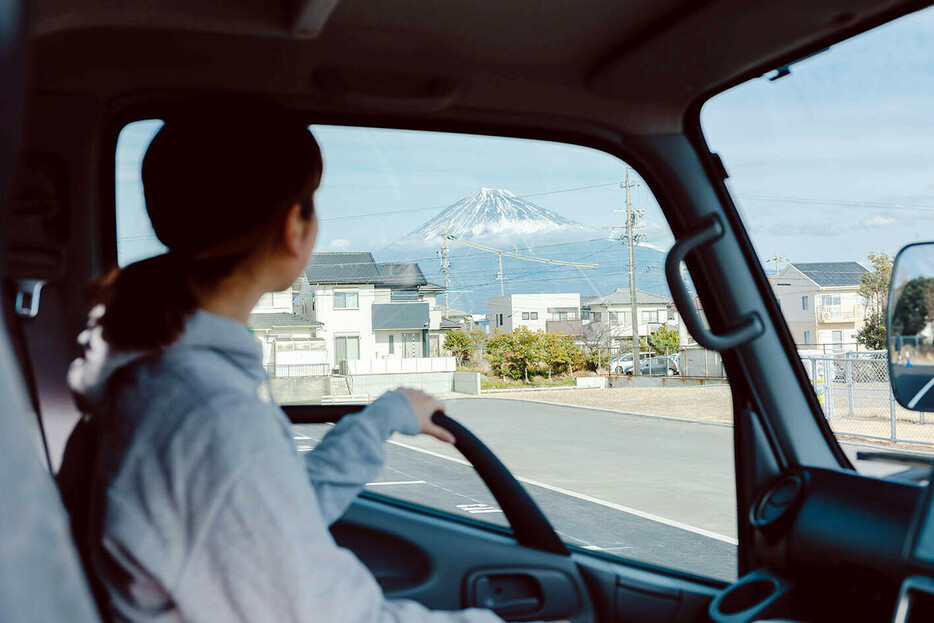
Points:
(656, 366)
(622, 364)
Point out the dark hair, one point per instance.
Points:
(216, 185)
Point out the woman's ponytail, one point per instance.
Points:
(146, 303)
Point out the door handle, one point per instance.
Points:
(524, 593)
(508, 594)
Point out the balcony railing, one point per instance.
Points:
(291, 370)
(839, 313)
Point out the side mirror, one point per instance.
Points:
(910, 327)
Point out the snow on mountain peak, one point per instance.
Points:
(491, 211)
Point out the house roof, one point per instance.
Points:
(450, 323)
(280, 320)
(833, 274)
(358, 267)
(401, 274)
(621, 297)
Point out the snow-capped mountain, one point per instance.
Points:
(501, 220)
(492, 212)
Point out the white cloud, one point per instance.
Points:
(338, 244)
(878, 221)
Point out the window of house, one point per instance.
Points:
(525, 315)
(595, 316)
(804, 303)
(387, 207)
(649, 316)
(830, 165)
(807, 337)
(347, 348)
(345, 300)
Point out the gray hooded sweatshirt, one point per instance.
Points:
(205, 511)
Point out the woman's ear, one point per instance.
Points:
(294, 231)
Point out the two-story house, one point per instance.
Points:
(370, 310)
(534, 311)
(290, 345)
(615, 309)
(821, 303)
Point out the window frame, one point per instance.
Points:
(345, 293)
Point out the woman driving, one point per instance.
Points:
(202, 509)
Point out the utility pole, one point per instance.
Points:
(631, 216)
(445, 268)
(500, 277)
(777, 258)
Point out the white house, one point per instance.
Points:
(615, 309)
(290, 346)
(532, 310)
(821, 303)
(370, 310)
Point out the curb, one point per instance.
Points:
(605, 410)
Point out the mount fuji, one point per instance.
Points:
(492, 212)
(500, 219)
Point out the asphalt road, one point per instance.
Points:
(645, 488)
(650, 489)
(915, 383)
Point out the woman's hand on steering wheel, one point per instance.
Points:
(425, 406)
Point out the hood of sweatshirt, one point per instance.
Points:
(89, 374)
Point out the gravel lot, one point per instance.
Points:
(706, 404)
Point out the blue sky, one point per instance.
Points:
(827, 164)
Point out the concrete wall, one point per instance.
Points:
(417, 365)
(467, 383)
(662, 381)
(375, 384)
(299, 391)
(590, 382)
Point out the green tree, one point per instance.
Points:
(558, 351)
(511, 354)
(874, 287)
(872, 335)
(459, 344)
(664, 340)
(912, 310)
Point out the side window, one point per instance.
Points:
(831, 165)
(454, 262)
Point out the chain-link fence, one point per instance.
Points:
(853, 389)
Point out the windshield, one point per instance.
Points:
(831, 165)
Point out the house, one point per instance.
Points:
(532, 310)
(821, 303)
(370, 310)
(615, 309)
(291, 347)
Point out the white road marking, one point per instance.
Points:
(920, 394)
(593, 548)
(588, 498)
(473, 509)
(395, 482)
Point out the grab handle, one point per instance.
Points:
(747, 328)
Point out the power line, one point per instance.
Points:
(838, 202)
(440, 207)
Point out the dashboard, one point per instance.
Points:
(835, 546)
